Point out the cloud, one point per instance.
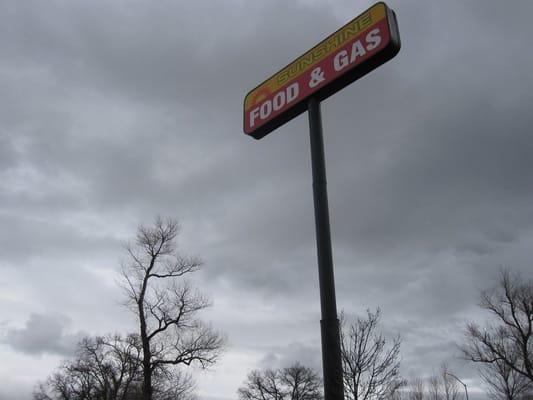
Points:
(112, 113)
(43, 334)
(308, 355)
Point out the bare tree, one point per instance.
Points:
(504, 383)
(443, 385)
(165, 305)
(104, 368)
(371, 368)
(509, 340)
(172, 384)
(293, 383)
(110, 368)
(435, 392)
(450, 385)
(416, 389)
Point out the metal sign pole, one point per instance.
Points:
(329, 324)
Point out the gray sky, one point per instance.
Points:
(112, 112)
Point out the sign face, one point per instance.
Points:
(357, 48)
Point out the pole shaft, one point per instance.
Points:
(329, 324)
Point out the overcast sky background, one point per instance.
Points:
(112, 112)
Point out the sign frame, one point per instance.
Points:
(351, 74)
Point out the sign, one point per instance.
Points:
(357, 48)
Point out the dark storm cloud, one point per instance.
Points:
(7, 157)
(34, 238)
(159, 51)
(286, 356)
(70, 50)
(112, 112)
(446, 171)
(447, 174)
(43, 334)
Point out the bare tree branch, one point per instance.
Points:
(105, 367)
(509, 341)
(504, 383)
(292, 383)
(416, 389)
(371, 368)
(165, 305)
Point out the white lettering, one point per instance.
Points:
(253, 115)
(357, 50)
(265, 109)
(373, 39)
(292, 92)
(341, 60)
(278, 101)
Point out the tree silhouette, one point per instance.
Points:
(292, 383)
(165, 304)
(371, 367)
(509, 339)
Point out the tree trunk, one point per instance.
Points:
(147, 356)
(147, 381)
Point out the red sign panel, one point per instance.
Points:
(360, 46)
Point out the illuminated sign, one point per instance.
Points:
(357, 48)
